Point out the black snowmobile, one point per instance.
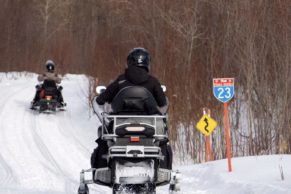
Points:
(48, 98)
(134, 132)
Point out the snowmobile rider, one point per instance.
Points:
(136, 74)
(49, 75)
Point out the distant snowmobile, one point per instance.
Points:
(134, 140)
(48, 98)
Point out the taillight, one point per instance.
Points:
(135, 129)
(134, 139)
(48, 97)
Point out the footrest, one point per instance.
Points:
(164, 176)
(102, 175)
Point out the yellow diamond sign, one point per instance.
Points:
(206, 125)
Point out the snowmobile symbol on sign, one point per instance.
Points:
(223, 89)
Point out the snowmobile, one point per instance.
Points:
(48, 101)
(133, 134)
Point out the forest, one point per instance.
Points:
(190, 43)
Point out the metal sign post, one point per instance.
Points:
(223, 90)
(227, 138)
(208, 152)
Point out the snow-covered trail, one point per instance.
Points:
(44, 153)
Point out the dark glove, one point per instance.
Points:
(99, 101)
(38, 87)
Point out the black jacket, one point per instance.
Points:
(134, 76)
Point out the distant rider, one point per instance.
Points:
(49, 75)
(136, 74)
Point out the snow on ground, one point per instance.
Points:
(44, 153)
(250, 175)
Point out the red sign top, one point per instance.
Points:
(223, 81)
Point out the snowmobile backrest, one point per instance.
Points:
(134, 100)
(49, 84)
(50, 87)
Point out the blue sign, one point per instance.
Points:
(223, 89)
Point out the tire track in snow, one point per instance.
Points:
(74, 134)
(9, 176)
(43, 148)
(49, 157)
(36, 140)
(64, 126)
(67, 128)
(22, 137)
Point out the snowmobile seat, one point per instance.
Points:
(134, 100)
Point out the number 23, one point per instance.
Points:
(224, 92)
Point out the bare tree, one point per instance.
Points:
(190, 41)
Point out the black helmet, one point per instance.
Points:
(139, 57)
(50, 66)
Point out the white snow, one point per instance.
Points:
(140, 169)
(44, 153)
